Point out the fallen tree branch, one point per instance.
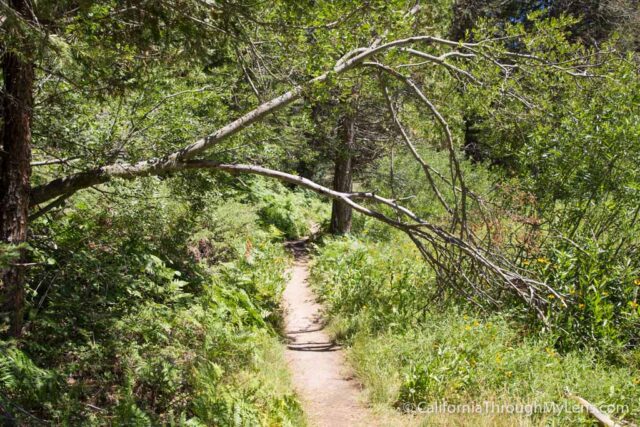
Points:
(407, 140)
(487, 268)
(602, 418)
(167, 163)
(472, 269)
(459, 211)
(160, 165)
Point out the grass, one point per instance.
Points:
(463, 360)
(451, 354)
(271, 378)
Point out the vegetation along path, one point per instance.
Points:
(329, 395)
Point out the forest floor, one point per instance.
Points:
(321, 377)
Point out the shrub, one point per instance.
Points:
(408, 350)
(602, 290)
(291, 212)
(372, 285)
(131, 325)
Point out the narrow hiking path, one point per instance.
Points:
(320, 375)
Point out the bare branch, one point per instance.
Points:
(425, 167)
(441, 60)
(53, 162)
(459, 214)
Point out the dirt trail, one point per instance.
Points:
(329, 396)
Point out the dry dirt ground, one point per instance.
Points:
(329, 395)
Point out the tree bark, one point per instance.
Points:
(15, 172)
(343, 178)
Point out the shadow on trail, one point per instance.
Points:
(299, 248)
(296, 338)
(319, 372)
(315, 346)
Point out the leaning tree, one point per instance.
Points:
(459, 249)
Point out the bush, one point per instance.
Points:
(602, 290)
(408, 350)
(377, 286)
(291, 212)
(152, 312)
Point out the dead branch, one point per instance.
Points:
(459, 213)
(602, 418)
(484, 267)
(407, 140)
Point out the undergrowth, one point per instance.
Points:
(411, 350)
(180, 312)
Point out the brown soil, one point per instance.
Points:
(329, 395)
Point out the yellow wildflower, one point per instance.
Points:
(633, 304)
(580, 306)
(637, 282)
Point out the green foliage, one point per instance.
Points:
(157, 302)
(602, 286)
(180, 312)
(375, 286)
(462, 359)
(409, 348)
(18, 374)
(290, 212)
(8, 254)
(281, 214)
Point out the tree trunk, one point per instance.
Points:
(15, 172)
(343, 179)
(465, 15)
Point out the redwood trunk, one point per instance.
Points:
(343, 179)
(15, 171)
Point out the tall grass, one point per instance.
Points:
(410, 351)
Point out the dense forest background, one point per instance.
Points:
(473, 167)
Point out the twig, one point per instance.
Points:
(602, 418)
